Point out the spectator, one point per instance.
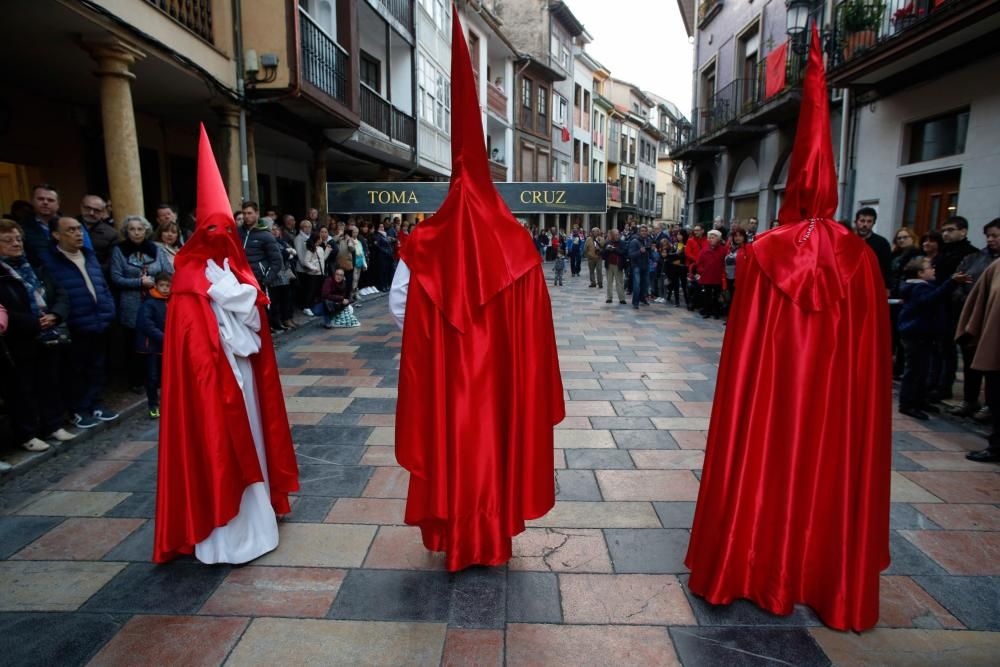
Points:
(904, 248)
(692, 248)
(280, 310)
(272, 215)
(167, 238)
(336, 306)
(974, 266)
(263, 252)
(342, 253)
(382, 259)
(312, 215)
(709, 271)
(574, 249)
(954, 249)
(615, 253)
(541, 242)
(360, 251)
(592, 249)
(923, 321)
(864, 224)
(301, 270)
(559, 267)
(35, 310)
(37, 224)
(167, 213)
(150, 324)
(979, 325)
(930, 244)
(638, 255)
(735, 251)
(288, 232)
(91, 312)
(317, 248)
(102, 232)
(677, 268)
(751, 229)
(134, 262)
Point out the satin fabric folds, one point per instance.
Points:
(794, 498)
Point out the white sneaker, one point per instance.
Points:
(307, 312)
(35, 445)
(5, 467)
(62, 435)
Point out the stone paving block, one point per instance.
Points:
(328, 435)
(401, 548)
(959, 487)
(92, 474)
(646, 409)
(583, 439)
(138, 476)
(333, 480)
(745, 613)
(347, 380)
(388, 511)
(318, 392)
(533, 597)
(393, 595)
(907, 559)
(19, 531)
(644, 439)
(972, 600)
(367, 406)
(388, 483)
(560, 550)
(136, 547)
(309, 509)
(681, 423)
(909, 442)
(903, 490)
(377, 420)
(589, 646)
(317, 404)
(647, 550)
(576, 485)
(51, 586)
(607, 459)
(643, 395)
(374, 392)
(276, 591)
(280, 641)
(961, 517)
(79, 539)
(904, 604)
(589, 409)
(927, 648)
(647, 484)
(136, 506)
(320, 545)
(943, 461)
(625, 599)
(172, 640)
(129, 450)
(949, 442)
(299, 380)
(581, 383)
(675, 514)
(622, 423)
(594, 395)
(305, 418)
(73, 503)
(573, 514)
(901, 463)
(482, 648)
(958, 551)
(382, 435)
(320, 454)
(573, 423)
(178, 587)
(903, 516)
(708, 647)
(684, 459)
(45, 639)
(478, 598)
(694, 408)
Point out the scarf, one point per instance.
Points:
(21, 269)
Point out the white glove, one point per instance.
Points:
(214, 273)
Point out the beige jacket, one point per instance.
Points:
(592, 248)
(980, 319)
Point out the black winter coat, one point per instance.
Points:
(23, 327)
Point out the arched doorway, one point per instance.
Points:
(704, 198)
(745, 191)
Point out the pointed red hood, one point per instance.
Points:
(810, 257)
(215, 236)
(473, 247)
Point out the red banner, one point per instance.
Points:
(776, 59)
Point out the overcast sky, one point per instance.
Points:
(643, 42)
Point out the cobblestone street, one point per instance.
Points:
(600, 580)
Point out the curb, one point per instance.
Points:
(27, 461)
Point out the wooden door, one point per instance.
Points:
(931, 199)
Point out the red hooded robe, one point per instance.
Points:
(207, 455)
(479, 383)
(794, 499)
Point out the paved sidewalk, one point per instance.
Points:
(598, 581)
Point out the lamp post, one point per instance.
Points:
(797, 23)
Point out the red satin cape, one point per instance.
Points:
(207, 455)
(794, 499)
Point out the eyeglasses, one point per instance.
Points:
(948, 229)
(93, 209)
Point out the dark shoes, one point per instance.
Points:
(964, 410)
(984, 456)
(622, 302)
(608, 301)
(916, 413)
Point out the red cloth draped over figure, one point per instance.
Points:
(794, 499)
(207, 455)
(479, 383)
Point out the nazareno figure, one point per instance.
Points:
(479, 383)
(794, 499)
(226, 462)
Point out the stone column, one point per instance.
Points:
(229, 152)
(252, 163)
(319, 199)
(121, 146)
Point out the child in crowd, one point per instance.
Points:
(150, 324)
(923, 319)
(560, 266)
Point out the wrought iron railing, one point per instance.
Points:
(404, 127)
(401, 10)
(381, 115)
(324, 62)
(195, 15)
(862, 25)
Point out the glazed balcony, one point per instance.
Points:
(498, 171)
(496, 100)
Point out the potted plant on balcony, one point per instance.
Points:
(859, 23)
(906, 15)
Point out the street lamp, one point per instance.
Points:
(797, 17)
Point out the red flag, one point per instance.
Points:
(565, 134)
(776, 70)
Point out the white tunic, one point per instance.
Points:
(398, 293)
(254, 531)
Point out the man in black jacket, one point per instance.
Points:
(263, 251)
(864, 222)
(103, 235)
(614, 254)
(956, 247)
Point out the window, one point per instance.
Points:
(938, 137)
(438, 11)
(659, 205)
(543, 109)
(560, 109)
(371, 72)
(566, 58)
(586, 101)
(577, 95)
(434, 94)
(527, 116)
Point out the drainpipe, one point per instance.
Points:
(845, 127)
(241, 96)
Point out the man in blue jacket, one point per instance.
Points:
(91, 312)
(638, 255)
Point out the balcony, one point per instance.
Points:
(401, 10)
(195, 15)
(707, 9)
(496, 101)
(721, 115)
(324, 62)
(498, 171)
(889, 44)
(382, 116)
